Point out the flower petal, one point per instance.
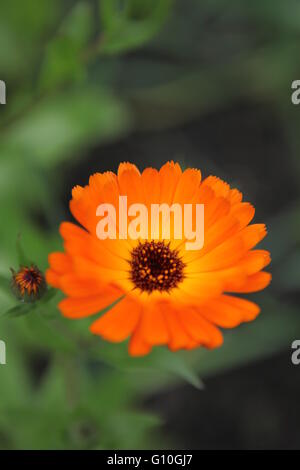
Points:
(179, 338)
(253, 283)
(228, 311)
(187, 186)
(153, 326)
(72, 307)
(119, 322)
(169, 177)
(137, 345)
(200, 329)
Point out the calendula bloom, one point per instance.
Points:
(168, 295)
(28, 284)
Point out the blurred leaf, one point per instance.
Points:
(23, 27)
(160, 361)
(129, 24)
(174, 363)
(78, 25)
(19, 310)
(61, 125)
(63, 56)
(61, 64)
(41, 331)
(24, 308)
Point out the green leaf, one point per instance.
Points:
(78, 25)
(174, 363)
(23, 26)
(128, 25)
(61, 64)
(24, 308)
(64, 124)
(63, 60)
(49, 334)
(19, 310)
(161, 363)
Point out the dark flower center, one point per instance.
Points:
(155, 266)
(31, 276)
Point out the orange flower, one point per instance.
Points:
(168, 295)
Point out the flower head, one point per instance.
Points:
(169, 294)
(28, 284)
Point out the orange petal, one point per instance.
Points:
(232, 250)
(253, 234)
(80, 212)
(179, 338)
(187, 186)
(200, 329)
(79, 242)
(74, 286)
(169, 177)
(99, 183)
(60, 262)
(126, 166)
(235, 196)
(255, 260)
(218, 233)
(77, 192)
(85, 306)
(151, 186)
(213, 211)
(119, 322)
(153, 326)
(224, 255)
(85, 268)
(137, 344)
(253, 283)
(227, 311)
(204, 195)
(219, 186)
(199, 288)
(103, 188)
(244, 212)
(130, 183)
(52, 278)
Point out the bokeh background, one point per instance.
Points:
(93, 83)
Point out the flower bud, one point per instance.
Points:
(28, 284)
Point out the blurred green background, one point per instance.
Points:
(93, 83)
